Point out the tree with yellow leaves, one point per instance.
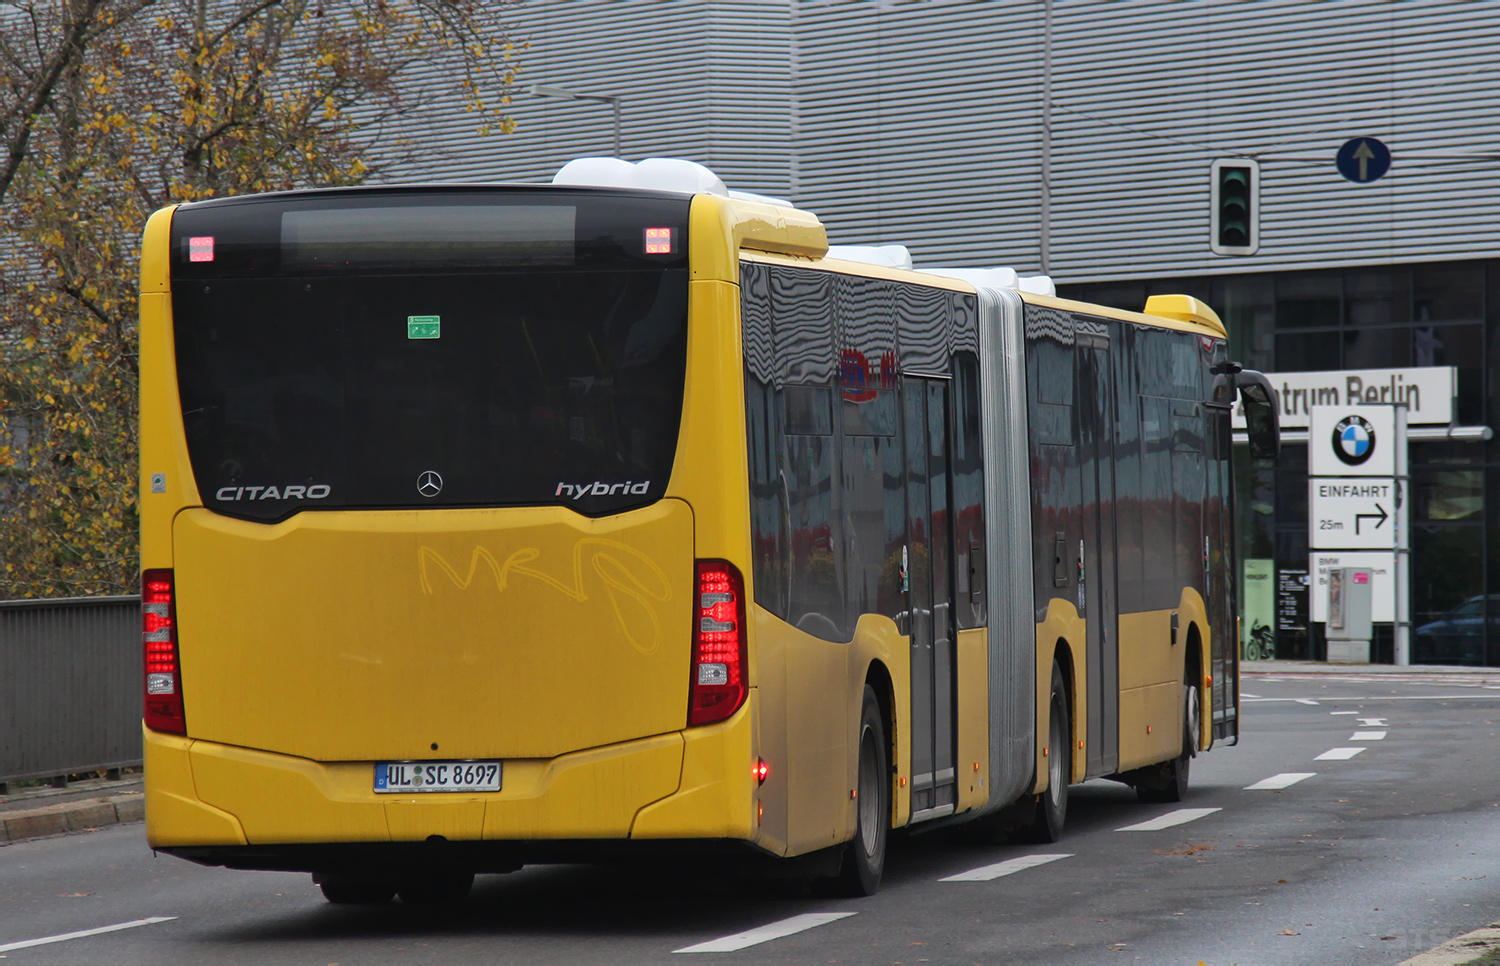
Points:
(110, 109)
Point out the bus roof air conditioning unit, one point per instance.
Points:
(889, 256)
(659, 174)
(999, 278)
(656, 174)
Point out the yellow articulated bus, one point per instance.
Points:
(485, 525)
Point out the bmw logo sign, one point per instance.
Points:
(1353, 440)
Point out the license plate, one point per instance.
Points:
(437, 776)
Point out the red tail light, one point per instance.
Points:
(719, 682)
(159, 640)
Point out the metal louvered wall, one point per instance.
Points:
(706, 81)
(922, 123)
(917, 125)
(1146, 96)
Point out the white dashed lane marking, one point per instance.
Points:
(987, 872)
(1373, 722)
(1338, 754)
(1345, 712)
(1367, 736)
(1306, 701)
(1284, 780)
(84, 933)
(766, 933)
(1168, 820)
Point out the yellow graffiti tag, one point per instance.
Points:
(625, 573)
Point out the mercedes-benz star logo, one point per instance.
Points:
(429, 484)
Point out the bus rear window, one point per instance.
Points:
(430, 383)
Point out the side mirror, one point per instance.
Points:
(1262, 414)
(1262, 409)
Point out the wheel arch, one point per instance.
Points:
(878, 677)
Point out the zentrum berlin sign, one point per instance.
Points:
(1427, 391)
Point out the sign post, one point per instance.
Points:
(1357, 487)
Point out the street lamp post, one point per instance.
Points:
(548, 90)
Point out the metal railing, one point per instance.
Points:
(70, 686)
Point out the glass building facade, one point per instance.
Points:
(1424, 314)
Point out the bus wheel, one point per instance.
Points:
(864, 856)
(435, 888)
(1052, 807)
(1169, 782)
(354, 892)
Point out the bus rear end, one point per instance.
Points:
(419, 590)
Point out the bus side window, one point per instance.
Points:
(1129, 571)
(1158, 567)
(968, 492)
(768, 530)
(1054, 476)
(870, 459)
(802, 311)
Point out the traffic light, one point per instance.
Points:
(1234, 189)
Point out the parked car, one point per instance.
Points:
(1458, 636)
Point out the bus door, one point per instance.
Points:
(1218, 548)
(928, 576)
(1097, 588)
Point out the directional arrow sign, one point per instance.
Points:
(1363, 154)
(1363, 160)
(1351, 513)
(1379, 516)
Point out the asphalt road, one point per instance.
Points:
(1371, 858)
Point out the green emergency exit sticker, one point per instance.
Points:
(423, 326)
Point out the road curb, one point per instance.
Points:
(33, 823)
(1471, 947)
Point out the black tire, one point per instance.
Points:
(1170, 782)
(435, 888)
(355, 892)
(1052, 806)
(864, 856)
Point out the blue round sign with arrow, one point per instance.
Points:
(1363, 160)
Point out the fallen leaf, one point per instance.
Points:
(1288, 932)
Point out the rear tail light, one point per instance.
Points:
(159, 643)
(718, 684)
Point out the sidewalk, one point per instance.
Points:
(29, 813)
(1455, 673)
